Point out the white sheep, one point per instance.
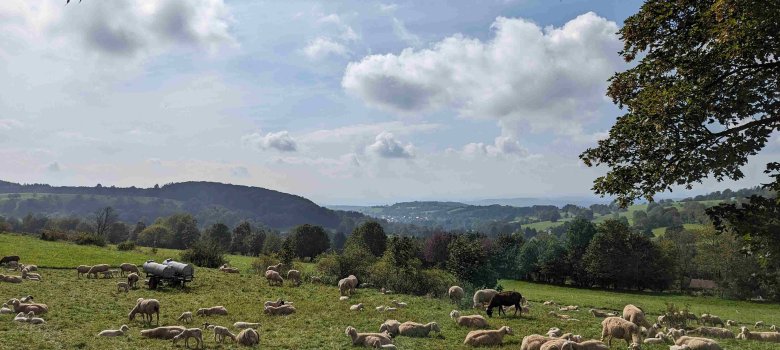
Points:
(34, 320)
(21, 317)
(456, 294)
(353, 283)
(127, 267)
(390, 309)
(185, 317)
(470, 321)
(227, 269)
(167, 332)
(31, 276)
(773, 328)
(731, 323)
(399, 304)
(343, 298)
(655, 341)
(295, 276)
(274, 278)
(94, 270)
(114, 332)
(147, 308)
(556, 344)
(345, 287)
(245, 325)
(675, 333)
(599, 313)
(635, 315)
(760, 336)
(26, 299)
(713, 332)
(534, 342)
(413, 329)
(277, 267)
(214, 310)
(759, 324)
(380, 308)
(132, 279)
(277, 303)
(281, 310)
(122, 286)
(711, 319)
(356, 307)
(695, 343)
(483, 296)
(554, 332)
(220, 333)
(248, 337)
(487, 337)
(569, 308)
(18, 306)
(587, 345)
(367, 339)
(82, 269)
(190, 333)
(5, 310)
(390, 327)
(549, 302)
(616, 327)
(28, 267)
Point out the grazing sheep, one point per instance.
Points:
(760, 336)
(635, 315)
(127, 267)
(456, 294)
(31, 276)
(343, 298)
(413, 329)
(185, 317)
(165, 333)
(190, 333)
(588, 345)
(353, 283)
(759, 324)
(122, 286)
(34, 320)
(220, 333)
(94, 270)
(472, 321)
(399, 304)
(277, 303)
(599, 313)
(694, 343)
(345, 287)
(356, 307)
(273, 278)
(554, 332)
(711, 319)
(502, 299)
(534, 342)
(367, 339)
(281, 310)
(616, 327)
(390, 327)
(146, 307)
(248, 337)
(713, 332)
(39, 309)
(227, 269)
(5, 310)
(82, 269)
(675, 333)
(277, 267)
(28, 267)
(132, 279)
(114, 332)
(487, 337)
(10, 279)
(21, 317)
(295, 276)
(483, 296)
(245, 325)
(214, 310)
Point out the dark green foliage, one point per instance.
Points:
(287, 253)
(254, 242)
(355, 260)
(90, 239)
(505, 258)
(309, 241)
(272, 244)
(218, 233)
(155, 235)
(469, 261)
(126, 245)
(239, 238)
(372, 235)
(339, 239)
(578, 237)
(204, 253)
(117, 232)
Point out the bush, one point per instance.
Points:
(126, 245)
(90, 239)
(205, 254)
(261, 263)
(675, 317)
(50, 235)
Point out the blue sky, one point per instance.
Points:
(344, 102)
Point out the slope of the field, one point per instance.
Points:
(80, 308)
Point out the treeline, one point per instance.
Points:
(728, 194)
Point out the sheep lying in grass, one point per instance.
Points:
(82, 269)
(248, 337)
(281, 310)
(456, 294)
(220, 333)
(483, 296)
(470, 321)
(95, 270)
(635, 315)
(561, 316)
(190, 333)
(399, 304)
(245, 325)
(185, 317)
(675, 333)
(274, 278)
(390, 309)
(343, 298)
(295, 276)
(367, 339)
(554, 332)
(132, 279)
(569, 308)
(616, 327)
(390, 327)
(655, 341)
(713, 332)
(114, 332)
(601, 313)
(20, 317)
(227, 269)
(586, 345)
(127, 267)
(34, 320)
(760, 336)
(712, 320)
(165, 333)
(120, 286)
(573, 337)
(147, 308)
(731, 323)
(214, 310)
(694, 343)
(5, 310)
(380, 308)
(10, 279)
(487, 337)
(356, 307)
(534, 342)
(277, 267)
(773, 328)
(18, 306)
(549, 302)
(759, 324)
(277, 303)
(413, 329)
(31, 276)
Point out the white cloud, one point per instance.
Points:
(388, 8)
(346, 32)
(399, 28)
(322, 47)
(281, 141)
(502, 146)
(360, 131)
(525, 76)
(386, 146)
(53, 167)
(9, 124)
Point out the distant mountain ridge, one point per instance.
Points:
(530, 201)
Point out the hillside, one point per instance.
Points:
(210, 202)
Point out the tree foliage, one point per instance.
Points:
(309, 241)
(373, 235)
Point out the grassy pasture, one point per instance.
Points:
(80, 308)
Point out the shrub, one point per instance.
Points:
(126, 245)
(51, 235)
(675, 317)
(261, 263)
(205, 254)
(90, 239)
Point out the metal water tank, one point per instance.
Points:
(180, 268)
(160, 270)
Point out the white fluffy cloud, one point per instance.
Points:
(525, 76)
(281, 141)
(503, 146)
(386, 146)
(322, 47)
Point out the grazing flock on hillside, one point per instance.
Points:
(632, 326)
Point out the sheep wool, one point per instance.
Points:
(487, 337)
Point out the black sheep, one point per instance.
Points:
(505, 299)
(7, 259)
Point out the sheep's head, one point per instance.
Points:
(124, 328)
(489, 311)
(454, 314)
(435, 327)
(634, 346)
(351, 332)
(506, 330)
(383, 328)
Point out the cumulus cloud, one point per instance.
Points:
(281, 141)
(386, 146)
(502, 146)
(363, 131)
(525, 76)
(399, 28)
(322, 47)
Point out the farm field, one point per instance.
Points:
(80, 307)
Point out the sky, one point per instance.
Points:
(342, 102)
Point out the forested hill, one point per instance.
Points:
(209, 201)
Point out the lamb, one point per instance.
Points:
(214, 310)
(759, 324)
(367, 339)
(549, 302)
(356, 307)
(273, 278)
(185, 317)
(39, 309)
(190, 333)
(227, 269)
(26, 299)
(343, 298)
(561, 316)
(569, 308)
(94, 270)
(588, 345)
(390, 327)
(167, 332)
(573, 337)
(132, 279)
(82, 269)
(554, 332)
(399, 304)
(281, 310)
(675, 333)
(220, 333)
(534, 342)
(472, 321)
(21, 317)
(28, 267)
(456, 294)
(616, 327)
(760, 336)
(248, 337)
(731, 323)
(34, 320)
(245, 325)
(635, 315)
(652, 331)
(483, 296)
(413, 329)
(295, 276)
(146, 307)
(10, 279)
(694, 343)
(114, 332)
(487, 337)
(505, 299)
(277, 303)
(713, 332)
(711, 319)
(277, 267)
(31, 276)
(4, 310)
(127, 267)
(122, 286)
(655, 341)
(599, 313)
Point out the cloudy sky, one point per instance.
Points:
(348, 102)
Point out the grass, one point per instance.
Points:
(660, 231)
(80, 307)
